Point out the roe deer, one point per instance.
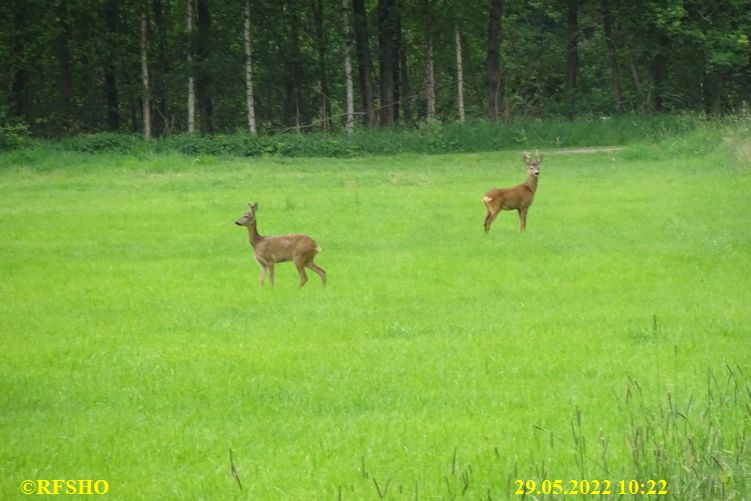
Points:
(519, 197)
(300, 249)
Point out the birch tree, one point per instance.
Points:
(429, 63)
(350, 121)
(145, 74)
(459, 72)
(191, 79)
(249, 98)
(320, 40)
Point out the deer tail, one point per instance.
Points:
(486, 199)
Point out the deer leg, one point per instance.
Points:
(523, 219)
(321, 272)
(262, 265)
(490, 218)
(301, 270)
(263, 275)
(489, 215)
(270, 269)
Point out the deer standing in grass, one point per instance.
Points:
(519, 197)
(300, 249)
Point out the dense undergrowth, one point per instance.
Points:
(690, 133)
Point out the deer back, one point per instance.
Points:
(282, 248)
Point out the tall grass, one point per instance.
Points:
(697, 447)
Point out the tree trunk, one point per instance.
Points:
(429, 63)
(387, 64)
(713, 82)
(146, 100)
(191, 69)
(572, 44)
(459, 72)
(660, 72)
(203, 76)
(318, 19)
(293, 65)
(20, 74)
(429, 81)
(364, 64)
(159, 84)
(112, 106)
(493, 59)
(402, 99)
(249, 99)
(350, 120)
(615, 73)
(63, 54)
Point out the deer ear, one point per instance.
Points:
(526, 157)
(254, 207)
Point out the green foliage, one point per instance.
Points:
(14, 134)
(75, 66)
(102, 142)
(669, 134)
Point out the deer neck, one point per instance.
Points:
(253, 235)
(531, 183)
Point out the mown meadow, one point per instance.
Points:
(611, 341)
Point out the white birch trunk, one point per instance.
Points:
(430, 81)
(145, 76)
(191, 80)
(459, 72)
(350, 124)
(249, 72)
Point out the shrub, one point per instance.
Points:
(668, 133)
(13, 134)
(102, 142)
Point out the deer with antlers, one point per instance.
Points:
(519, 197)
(300, 249)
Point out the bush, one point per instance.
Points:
(102, 142)
(670, 133)
(13, 134)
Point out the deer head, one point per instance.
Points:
(249, 217)
(533, 163)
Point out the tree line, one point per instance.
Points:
(162, 67)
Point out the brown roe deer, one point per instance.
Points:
(519, 197)
(300, 249)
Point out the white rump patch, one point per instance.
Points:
(487, 199)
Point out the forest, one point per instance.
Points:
(167, 67)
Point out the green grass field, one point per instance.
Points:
(609, 341)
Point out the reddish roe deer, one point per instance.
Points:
(300, 249)
(519, 197)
